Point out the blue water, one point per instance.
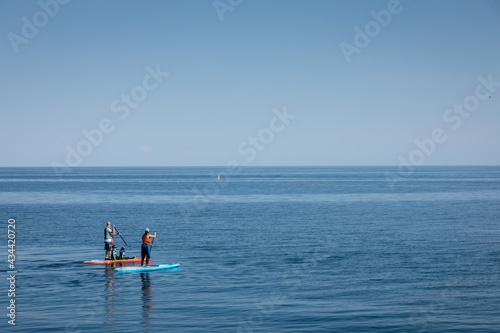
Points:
(337, 249)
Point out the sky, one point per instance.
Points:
(252, 82)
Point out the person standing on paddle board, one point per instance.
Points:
(146, 246)
(108, 240)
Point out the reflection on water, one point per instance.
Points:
(147, 297)
(111, 300)
(110, 291)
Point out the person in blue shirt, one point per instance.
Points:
(114, 253)
(121, 255)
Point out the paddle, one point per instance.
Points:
(121, 237)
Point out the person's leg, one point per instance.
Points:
(143, 254)
(148, 254)
(107, 249)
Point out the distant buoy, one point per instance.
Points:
(218, 177)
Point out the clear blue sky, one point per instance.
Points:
(227, 76)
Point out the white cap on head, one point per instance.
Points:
(147, 229)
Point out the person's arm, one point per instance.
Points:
(152, 236)
(114, 231)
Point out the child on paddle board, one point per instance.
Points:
(114, 255)
(122, 255)
(146, 246)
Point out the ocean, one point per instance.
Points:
(262, 249)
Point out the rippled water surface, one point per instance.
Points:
(341, 249)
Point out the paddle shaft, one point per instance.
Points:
(121, 237)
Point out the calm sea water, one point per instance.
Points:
(261, 250)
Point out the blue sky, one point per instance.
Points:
(225, 78)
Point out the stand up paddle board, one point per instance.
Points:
(111, 261)
(146, 268)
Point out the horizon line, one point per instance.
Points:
(257, 166)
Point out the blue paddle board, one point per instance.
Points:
(146, 268)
